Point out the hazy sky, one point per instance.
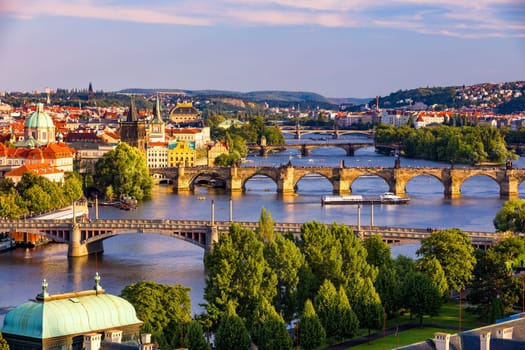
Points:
(338, 48)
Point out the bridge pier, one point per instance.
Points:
(304, 151)
(509, 186)
(183, 182)
(212, 236)
(286, 184)
(77, 248)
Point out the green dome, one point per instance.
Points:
(73, 313)
(39, 119)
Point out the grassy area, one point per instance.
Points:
(402, 338)
(448, 317)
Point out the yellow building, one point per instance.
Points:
(181, 154)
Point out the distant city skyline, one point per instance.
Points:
(337, 48)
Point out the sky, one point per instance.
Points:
(337, 48)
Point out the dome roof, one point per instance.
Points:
(71, 313)
(39, 119)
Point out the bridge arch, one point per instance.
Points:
(192, 237)
(363, 176)
(258, 175)
(306, 175)
(421, 176)
(492, 181)
(266, 172)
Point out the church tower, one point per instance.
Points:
(91, 93)
(157, 132)
(133, 131)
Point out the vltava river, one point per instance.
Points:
(135, 257)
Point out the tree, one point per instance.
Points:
(347, 322)
(387, 285)
(326, 306)
(232, 333)
(126, 170)
(453, 249)
(72, 187)
(194, 338)
(265, 229)
(159, 305)
(511, 216)
(432, 268)
(420, 296)
(268, 329)
(378, 252)
(285, 260)
(238, 273)
(311, 331)
(492, 287)
(368, 306)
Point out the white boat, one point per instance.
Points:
(385, 198)
(348, 199)
(6, 243)
(389, 197)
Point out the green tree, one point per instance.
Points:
(72, 187)
(420, 296)
(232, 333)
(347, 322)
(265, 229)
(268, 329)
(432, 268)
(387, 285)
(159, 305)
(368, 306)
(453, 249)
(511, 216)
(311, 331)
(238, 273)
(326, 307)
(9, 206)
(194, 338)
(126, 170)
(285, 260)
(378, 252)
(493, 283)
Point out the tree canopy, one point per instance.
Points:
(511, 216)
(125, 170)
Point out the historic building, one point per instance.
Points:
(215, 150)
(198, 136)
(89, 320)
(181, 154)
(157, 132)
(39, 126)
(132, 130)
(157, 154)
(184, 112)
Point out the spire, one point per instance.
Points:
(132, 113)
(157, 115)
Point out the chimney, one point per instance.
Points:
(145, 338)
(113, 336)
(504, 333)
(484, 341)
(146, 343)
(92, 341)
(442, 341)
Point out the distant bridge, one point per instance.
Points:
(86, 237)
(286, 177)
(299, 131)
(305, 148)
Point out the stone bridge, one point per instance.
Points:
(299, 131)
(305, 148)
(86, 237)
(287, 176)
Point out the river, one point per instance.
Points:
(130, 258)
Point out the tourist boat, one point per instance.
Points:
(385, 198)
(6, 243)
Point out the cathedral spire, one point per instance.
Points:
(132, 112)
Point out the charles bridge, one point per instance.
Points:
(297, 131)
(286, 177)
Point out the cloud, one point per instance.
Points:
(467, 18)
